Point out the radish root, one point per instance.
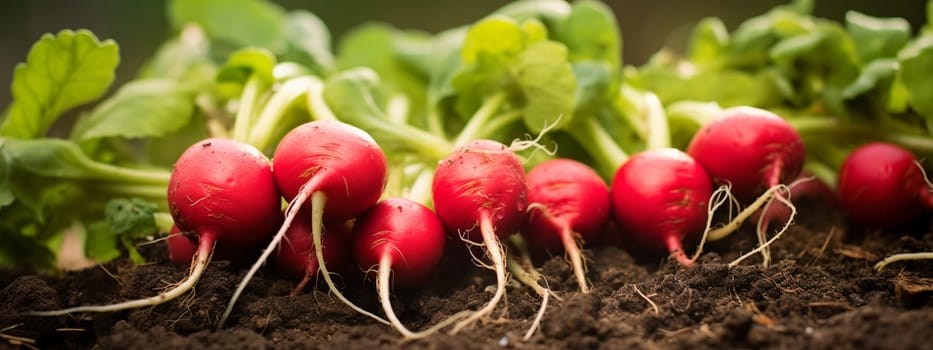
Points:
(496, 252)
(382, 288)
(318, 200)
(199, 264)
(716, 200)
(790, 220)
(525, 272)
(569, 240)
(903, 257)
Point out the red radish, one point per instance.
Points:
(223, 191)
(295, 256)
(402, 238)
(754, 151)
(569, 201)
(881, 185)
(343, 172)
(480, 194)
(659, 197)
(751, 149)
(806, 186)
(181, 248)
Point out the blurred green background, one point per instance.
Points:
(139, 26)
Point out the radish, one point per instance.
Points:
(569, 203)
(295, 256)
(181, 248)
(881, 185)
(402, 240)
(806, 186)
(753, 151)
(336, 165)
(659, 198)
(223, 191)
(480, 194)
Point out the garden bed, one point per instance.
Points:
(822, 292)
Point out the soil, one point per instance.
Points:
(820, 293)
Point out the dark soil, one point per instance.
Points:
(822, 292)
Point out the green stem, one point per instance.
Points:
(499, 122)
(659, 134)
(318, 106)
(164, 221)
(244, 116)
(271, 115)
(420, 191)
(626, 108)
(471, 131)
(607, 154)
(840, 130)
(132, 190)
(397, 109)
(435, 122)
(116, 173)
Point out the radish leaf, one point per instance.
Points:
(61, 72)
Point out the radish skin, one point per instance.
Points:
(403, 240)
(659, 198)
(569, 203)
(881, 185)
(222, 190)
(296, 258)
(752, 150)
(332, 164)
(480, 194)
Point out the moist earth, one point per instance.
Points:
(821, 292)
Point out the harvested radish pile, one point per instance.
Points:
(509, 183)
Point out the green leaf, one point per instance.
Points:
(877, 37)
(48, 157)
(547, 84)
(916, 62)
(141, 108)
(708, 42)
(591, 32)
(501, 55)
(126, 222)
(874, 74)
(131, 218)
(351, 96)
(373, 46)
(726, 87)
(100, 242)
(184, 58)
(246, 62)
(243, 65)
(594, 84)
(548, 10)
(6, 195)
(493, 41)
(308, 41)
(61, 72)
(241, 23)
